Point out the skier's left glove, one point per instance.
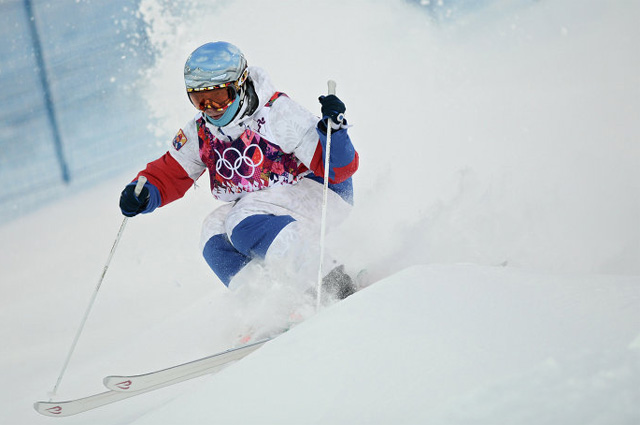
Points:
(333, 110)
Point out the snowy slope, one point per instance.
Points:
(442, 344)
(509, 137)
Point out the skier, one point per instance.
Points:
(265, 157)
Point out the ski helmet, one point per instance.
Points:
(214, 67)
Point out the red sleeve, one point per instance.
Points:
(169, 177)
(336, 174)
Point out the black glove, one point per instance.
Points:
(332, 107)
(131, 205)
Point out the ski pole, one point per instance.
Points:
(323, 222)
(141, 181)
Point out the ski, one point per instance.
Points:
(182, 372)
(123, 387)
(72, 407)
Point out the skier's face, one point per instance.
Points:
(213, 102)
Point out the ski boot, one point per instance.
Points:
(338, 284)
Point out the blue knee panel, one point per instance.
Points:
(253, 235)
(223, 258)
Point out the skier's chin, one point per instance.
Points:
(215, 116)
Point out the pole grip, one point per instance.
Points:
(141, 181)
(332, 87)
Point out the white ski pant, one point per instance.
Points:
(277, 228)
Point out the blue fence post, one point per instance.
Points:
(49, 106)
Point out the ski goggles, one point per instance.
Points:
(217, 97)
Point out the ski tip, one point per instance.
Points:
(119, 383)
(49, 409)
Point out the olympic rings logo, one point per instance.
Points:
(232, 166)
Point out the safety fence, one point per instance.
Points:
(70, 111)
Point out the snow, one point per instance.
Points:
(499, 194)
(442, 344)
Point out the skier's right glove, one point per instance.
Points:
(132, 205)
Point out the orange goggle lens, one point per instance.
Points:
(217, 99)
